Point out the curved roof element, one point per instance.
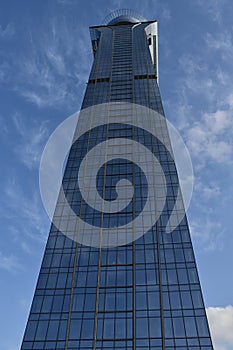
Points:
(123, 15)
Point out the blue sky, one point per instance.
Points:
(45, 60)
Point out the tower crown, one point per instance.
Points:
(123, 16)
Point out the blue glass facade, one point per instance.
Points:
(142, 295)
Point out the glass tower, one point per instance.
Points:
(110, 277)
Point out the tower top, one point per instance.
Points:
(123, 15)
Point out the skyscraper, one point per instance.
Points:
(119, 270)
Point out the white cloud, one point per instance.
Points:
(57, 60)
(32, 139)
(33, 222)
(7, 32)
(47, 72)
(196, 79)
(41, 84)
(19, 238)
(4, 68)
(209, 138)
(204, 109)
(204, 104)
(207, 234)
(222, 42)
(205, 72)
(213, 8)
(208, 134)
(191, 65)
(221, 326)
(206, 191)
(165, 13)
(219, 121)
(9, 262)
(66, 2)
